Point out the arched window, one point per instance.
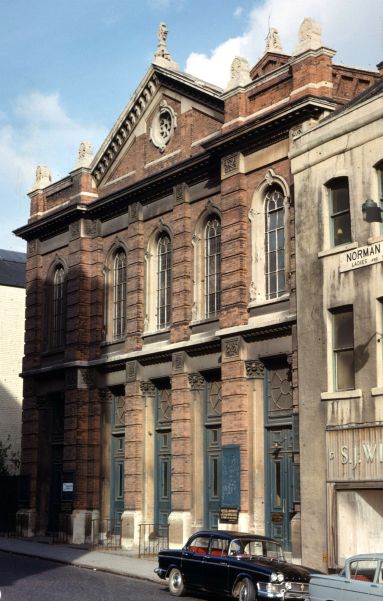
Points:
(119, 294)
(58, 300)
(212, 267)
(274, 243)
(164, 271)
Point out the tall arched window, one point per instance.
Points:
(164, 270)
(119, 294)
(57, 338)
(212, 267)
(274, 243)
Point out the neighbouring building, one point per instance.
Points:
(337, 166)
(160, 370)
(12, 317)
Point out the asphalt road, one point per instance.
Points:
(31, 579)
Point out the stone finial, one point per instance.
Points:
(239, 73)
(309, 36)
(273, 42)
(43, 178)
(162, 55)
(85, 155)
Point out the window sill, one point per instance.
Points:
(377, 391)
(112, 342)
(375, 239)
(339, 395)
(336, 250)
(267, 302)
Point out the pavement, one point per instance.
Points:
(116, 561)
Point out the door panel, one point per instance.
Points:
(163, 477)
(280, 478)
(213, 469)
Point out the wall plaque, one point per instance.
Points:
(229, 515)
(361, 257)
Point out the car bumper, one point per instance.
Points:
(160, 573)
(295, 592)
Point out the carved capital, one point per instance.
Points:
(181, 193)
(90, 228)
(86, 378)
(75, 229)
(254, 369)
(131, 371)
(105, 395)
(32, 247)
(178, 360)
(231, 347)
(148, 389)
(230, 164)
(196, 381)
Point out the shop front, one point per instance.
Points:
(355, 492)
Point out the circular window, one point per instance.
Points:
(163, 126)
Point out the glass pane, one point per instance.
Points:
(340, 197)
(345, 370)
(343, 330)
(278, 484)
(281, 281)
(281, 238)
(272, 261)
(342, 228)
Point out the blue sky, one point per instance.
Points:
(68, 67)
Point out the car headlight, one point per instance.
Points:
(277, 577)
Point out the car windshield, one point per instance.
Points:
(256, 547)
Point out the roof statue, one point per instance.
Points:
(273, 42)
(85, 155)
(239, 73)
(43, 178)
(162, 55)
(309, 36)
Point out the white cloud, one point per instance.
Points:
(356, 33)
(238, 11)
(37, 131)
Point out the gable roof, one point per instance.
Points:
(126, 123)
(12, 268)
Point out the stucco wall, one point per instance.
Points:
(348, 145)
(12, 308)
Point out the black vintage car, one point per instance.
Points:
(233, 564)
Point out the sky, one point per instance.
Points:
(69, 67)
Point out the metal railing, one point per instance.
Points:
(153, 538)
(106, 533)
(64, 531)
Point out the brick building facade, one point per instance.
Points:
(160, 369)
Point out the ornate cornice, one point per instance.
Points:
(123, 130)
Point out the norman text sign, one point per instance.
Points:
(355, 454)
(360, 257)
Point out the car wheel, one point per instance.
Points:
(176, 583)
(246, 590)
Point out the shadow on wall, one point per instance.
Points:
(362, 354)
(10, 432)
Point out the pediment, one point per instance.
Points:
(269, 62)
(149, 128)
